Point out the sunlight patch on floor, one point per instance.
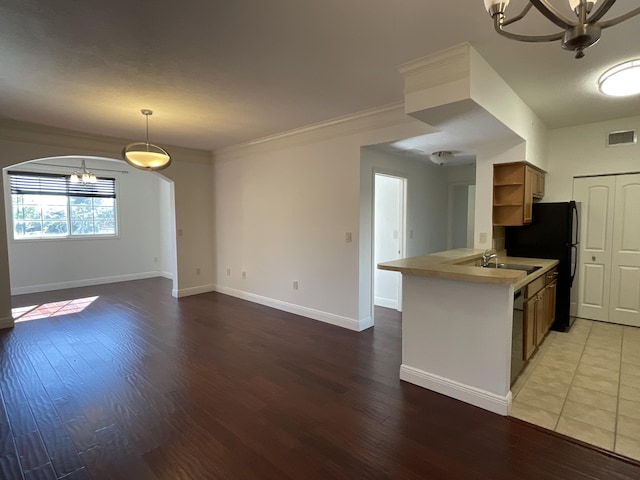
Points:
(53, 309)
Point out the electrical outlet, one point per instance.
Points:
(483, 237)
(295, 285)
(155, 259)
(179, 232)
(228, 272)
(244, 275)
(347, 237)
(198, 271)
(410, 233)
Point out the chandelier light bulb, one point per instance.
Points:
(83, 175)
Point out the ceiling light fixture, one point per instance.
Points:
(576, 35)
(83, 175)
(441, 158)
(622, 80)
(145, 155)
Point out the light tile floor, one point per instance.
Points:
(585, 384)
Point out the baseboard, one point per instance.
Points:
(187, 292)
(466, 393)
(168, 275)
(365, 323)
(47, 287)
(319, 315)
(6, 323)
(386, 302)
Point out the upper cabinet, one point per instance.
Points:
(515, 186)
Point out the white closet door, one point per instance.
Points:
(597, 196)
(625, 260)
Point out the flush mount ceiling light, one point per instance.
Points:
(441, 158)
(576, 35)
(83, 175)
(145, 155)
(622, 80)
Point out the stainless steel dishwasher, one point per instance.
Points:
(517, 335)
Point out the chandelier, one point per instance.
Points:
(576, 35)
(145, 155)
(83, 176)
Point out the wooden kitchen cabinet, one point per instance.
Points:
(550, 304)
(515, 185)
(537, 184)
(539, 311)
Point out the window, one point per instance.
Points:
(50, 206)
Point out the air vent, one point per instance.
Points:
(627, 137)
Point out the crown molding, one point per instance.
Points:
(83, 142)
(366, 120)
(437, 69)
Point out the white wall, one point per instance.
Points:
(427, 197)
(42, 265)
(461, 180)
(582, 150)
(167, 260)
(282, 209)
(459, 208)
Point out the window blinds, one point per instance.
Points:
(32, 183)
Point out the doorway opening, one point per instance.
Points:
(389, 225)
(61, 236)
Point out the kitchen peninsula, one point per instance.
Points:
(457, 323)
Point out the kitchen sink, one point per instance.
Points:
(513, 266)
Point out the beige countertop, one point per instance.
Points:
(460, 264)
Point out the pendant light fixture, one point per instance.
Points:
(441, 158)
(145, 155)
(83, 175)
(576, 35)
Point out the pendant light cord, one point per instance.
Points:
(147, 115)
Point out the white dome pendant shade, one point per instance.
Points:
(145, 155)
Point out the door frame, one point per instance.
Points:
(403, 230)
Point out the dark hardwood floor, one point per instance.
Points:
(136, 384)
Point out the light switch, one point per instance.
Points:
(483, 237)
(347, 237)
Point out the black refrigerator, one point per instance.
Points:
(553, 233)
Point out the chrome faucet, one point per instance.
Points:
(486, 258)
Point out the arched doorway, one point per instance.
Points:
(49, 255)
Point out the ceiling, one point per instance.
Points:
(219, 73)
